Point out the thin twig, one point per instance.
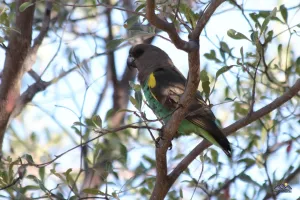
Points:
(104, 5)
(254, 88)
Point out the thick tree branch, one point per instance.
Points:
(45, 26)
(163, 181)
(32, 53)
(193, 44)
(14, 66)
(234, 127)
(169, 28)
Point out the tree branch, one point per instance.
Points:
(169, 28)
(14, 66)
(104, 5)
(163, 181)
(32, 90)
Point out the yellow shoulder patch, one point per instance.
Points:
(152, 84)
(151, 81)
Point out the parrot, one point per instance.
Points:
(163, 84)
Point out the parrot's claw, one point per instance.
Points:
(158, 145)
(171, 146)
(157, 141)
(161, 137)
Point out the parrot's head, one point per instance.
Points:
(147, 58)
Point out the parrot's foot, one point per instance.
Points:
(171, 146)
(158, 140)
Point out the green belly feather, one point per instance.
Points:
(186, 127)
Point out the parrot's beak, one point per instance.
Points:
(130, 62)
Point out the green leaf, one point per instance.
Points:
(205, 83)
(269, 36)
(2, 12)
(248, 161)
(214, 156)
(114, 194)
(140, 7)
(109, 113)
(206, 88)
(36, 180)
(139, 99)
(298, 66)
(57, 175)
(267, 20)
(259, 161)
(223, 70)
(70, 180)
(93, 191)
(212, 56)
(263, 137)
(144, 191)
(123, 150)
(135, 87)
(264, 14)
(73, 197)
(236, 35)
(96, 119)
(113, 44)
(28, 158)
(224, 47)
(228, 99)
(254, 17)
(246, 178)
(125, 110)
(4, 177)
(254, 37)
(150, 160)
(78, 124)
(32, 177)
(189, 14)
(24, 6)
(238, 83)
(178, 156)
(28, 188)
(133, 101)
(42, 173)
(131, 21)
(180, 193)
(284, 13)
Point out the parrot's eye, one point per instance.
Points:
(138, 52)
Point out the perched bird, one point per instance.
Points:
(163, 84)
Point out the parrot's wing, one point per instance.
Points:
(169, 86)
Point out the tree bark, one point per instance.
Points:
(15, 64)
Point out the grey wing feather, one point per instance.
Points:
(169, 88)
